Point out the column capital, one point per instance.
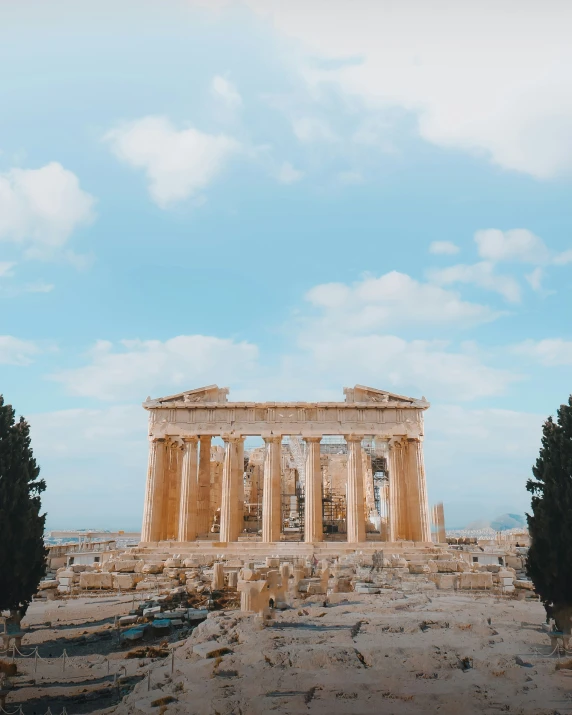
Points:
(272, 438)
(156, 439)
(312, 438)
(234, 438)
(353, 437)
(190, 438)
(204, 437)
(415, 439)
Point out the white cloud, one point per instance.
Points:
(288, 174)
(139, 367)
(480, 78)
(6, 269)
(313, 129)
(14, 351)
(392, 299)
(445, 248)
(550, 352)
(39, 287)
(417, 366)
(41, 208)
(535, 278)
(177, 163)
(225, 90)
(517, 244)
(481, 274)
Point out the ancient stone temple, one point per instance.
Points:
(188, 476)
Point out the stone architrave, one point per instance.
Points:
(271, 506)
(189, 491)
(204, 485)
(313, 524)
(153, 509)
(355, 515)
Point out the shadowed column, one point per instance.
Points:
(153, 511)
(313, 528)
(419, 520)
(271, 511)
(204, 485)
(229, 525)
(355, 516)
(189, 491)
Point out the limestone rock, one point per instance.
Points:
(126, 581)
(89, 580)
(153, 568)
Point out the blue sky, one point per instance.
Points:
(286, 199)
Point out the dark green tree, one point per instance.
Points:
(549, 563)
(22, 550)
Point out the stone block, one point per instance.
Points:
(151, 611)
(64, 589)
(125, 566)
(447, 566)
(210, 649)
(153, 568)
(48, 584)
(127, 620)
(172, 572)
(467, 581)
(126, 581)
(443, 581)
(173, 563)
(95, 580)
(419, 568)
(528, 585)
(145, 585)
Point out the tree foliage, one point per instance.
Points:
(550, 524)
(22, 550)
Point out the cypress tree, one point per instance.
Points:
(549, 561)
(22, 550)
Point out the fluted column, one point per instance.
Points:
(153, 509)
(419, 518)
(397, 490)
(355, 515)
(204, 485)
(313, 526)
(240, 478)
(189, 491)
(271, 506)
(229, 524)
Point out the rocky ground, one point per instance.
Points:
(394, 652)
(390, 653)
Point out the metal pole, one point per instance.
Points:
(64, 662)
(36, 660)
(148, 680)
(172, 660)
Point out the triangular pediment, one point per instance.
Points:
(362, 393)
(210, 393)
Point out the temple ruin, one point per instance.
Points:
(344, 471)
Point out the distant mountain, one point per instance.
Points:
(508, 521)
(499, 523)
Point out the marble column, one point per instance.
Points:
(271, 498)
(229, 524)
(240, 477)
(153, 510)
(313, 525)
(355, 515)
(189, 491)
(204, 485)
(419, 519)
(397, 491)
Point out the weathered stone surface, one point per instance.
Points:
(528, 585)
(419, 568)
(125, 566)
(474, 580)
(443, 581)
(153, 568)
(95, 580)
(126, 581)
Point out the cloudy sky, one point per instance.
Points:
(284, 198)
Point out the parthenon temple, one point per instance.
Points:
(341, 471)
